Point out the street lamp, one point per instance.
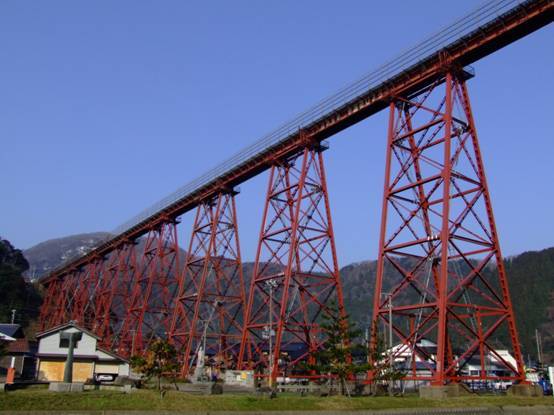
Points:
(271, 284)
(133, 331)
(389, 308)
(217, 303)
(200, 353)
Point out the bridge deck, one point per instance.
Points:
(478, 34)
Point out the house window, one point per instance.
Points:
(64, 343)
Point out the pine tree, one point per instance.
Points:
(341, 356)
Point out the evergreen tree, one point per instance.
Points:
(342, 355)
(16, 294)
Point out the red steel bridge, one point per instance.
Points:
(437, 238)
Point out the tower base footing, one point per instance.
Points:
(523, 389)
(453, 390)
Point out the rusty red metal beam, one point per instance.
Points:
(520, 21)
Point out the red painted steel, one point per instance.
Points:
(61, 304)
(494, 35)
(150, 306)
(296, 274)
(51, 303)
(136, 306)
(82, 308)
(114, 294)
(439, 255)
(209, 309)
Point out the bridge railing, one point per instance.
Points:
(464, 28)
(439, 40)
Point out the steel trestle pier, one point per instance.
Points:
(437, 241)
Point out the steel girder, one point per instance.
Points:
(439, 260)
(96, 296)
(296, 273)
(148, 314)
(209, 309)
(493, 35)
(52, 303)
(114, 294)
(59, 304)
(83, 303)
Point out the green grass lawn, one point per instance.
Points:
(33, 399)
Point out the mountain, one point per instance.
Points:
(530, 276)
(49, 254)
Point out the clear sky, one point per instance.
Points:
(107, 106)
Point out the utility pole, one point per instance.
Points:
(389, 297)
(133, 342)
(539, 345)
(72, 338)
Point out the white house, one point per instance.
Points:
(20, 352)
(90, 360)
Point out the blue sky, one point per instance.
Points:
(106, 107)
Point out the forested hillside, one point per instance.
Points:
(531, 278)
(15, 292)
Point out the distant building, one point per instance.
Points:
(21, 352)
(89, 359)
(409, 362)
(493, 367)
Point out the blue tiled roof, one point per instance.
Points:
(11, 330)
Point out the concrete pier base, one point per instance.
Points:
(66, 387)
(444, 391)
(525, 390)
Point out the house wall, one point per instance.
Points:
(108, 364)
(51, 344)
(103, 367)
(124, 369)
(6, 362)
(51, 370)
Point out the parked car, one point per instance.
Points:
(105, 377)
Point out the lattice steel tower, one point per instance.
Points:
(439, 257)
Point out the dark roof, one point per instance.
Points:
(419, 365)
(61, 356)
(64, 356)
(112, 354)
(65, 326)
(20, 346)
(12, 330)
